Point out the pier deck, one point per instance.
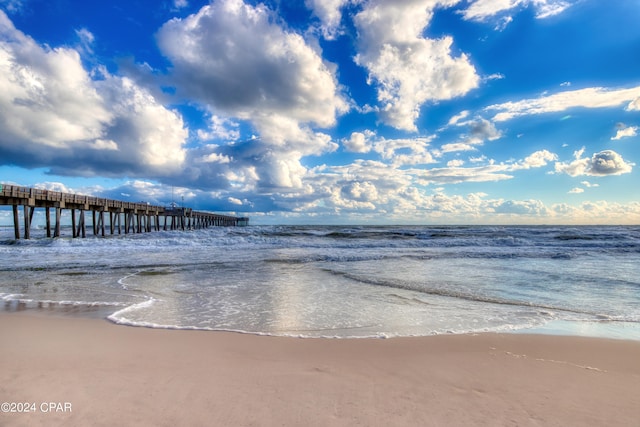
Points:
(122, 216)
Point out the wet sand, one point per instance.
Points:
(98, 373)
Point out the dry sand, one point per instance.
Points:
(115, 375)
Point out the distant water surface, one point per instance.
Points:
(317, 281)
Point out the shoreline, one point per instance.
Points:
(113, 374)
(616, 330)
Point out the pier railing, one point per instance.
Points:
(129, 217)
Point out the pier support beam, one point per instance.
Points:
(16, 222)
(27, 223)
(56, 231)
(73, 223)
(48, 219)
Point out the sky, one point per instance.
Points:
(329, 111)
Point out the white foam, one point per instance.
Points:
(20, 299)
(118, 316)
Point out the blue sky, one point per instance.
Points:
(329, 111)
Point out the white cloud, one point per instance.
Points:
(179, 4)
(494, 76)
(216, 158)
(634, 105)
(218, 60)
(282, 133)
(359, 142)
(329, 12)
(549, 8)
(46, 95)
(576, 190)
(596, 97)
(538, 159)
(220, 128)
(480, 130)
(157, 135)
(277, 82)
(399, 152)
(455, 163)
(86, 40)
(503, 23)
(55, 114)
(361, 191)
(457, 146)
(598, 212)
(522, 207)
(458, 117)
(482, 10)
(588, 184)
(625, 132)
(606, 162)
(479, 159)
(407, 69)
(454, 173)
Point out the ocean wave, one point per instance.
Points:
(361, 332)
(450, 292)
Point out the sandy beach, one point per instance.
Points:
(78, 372)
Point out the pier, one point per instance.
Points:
(108, 216)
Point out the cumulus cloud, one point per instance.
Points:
(576, 190)
(218, 60)
(480, 130)
(596, 97)
(55, 112)
(277, 82)
(522, 207)
(625, 132)
(399, 152)
(46, 95)
(220, 128)
(604, 163)
(407, 69)
(359, 142)
(538, 159)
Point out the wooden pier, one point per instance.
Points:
(108, 216)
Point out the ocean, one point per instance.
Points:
(338, 281)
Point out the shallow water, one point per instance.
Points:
(319, 281)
